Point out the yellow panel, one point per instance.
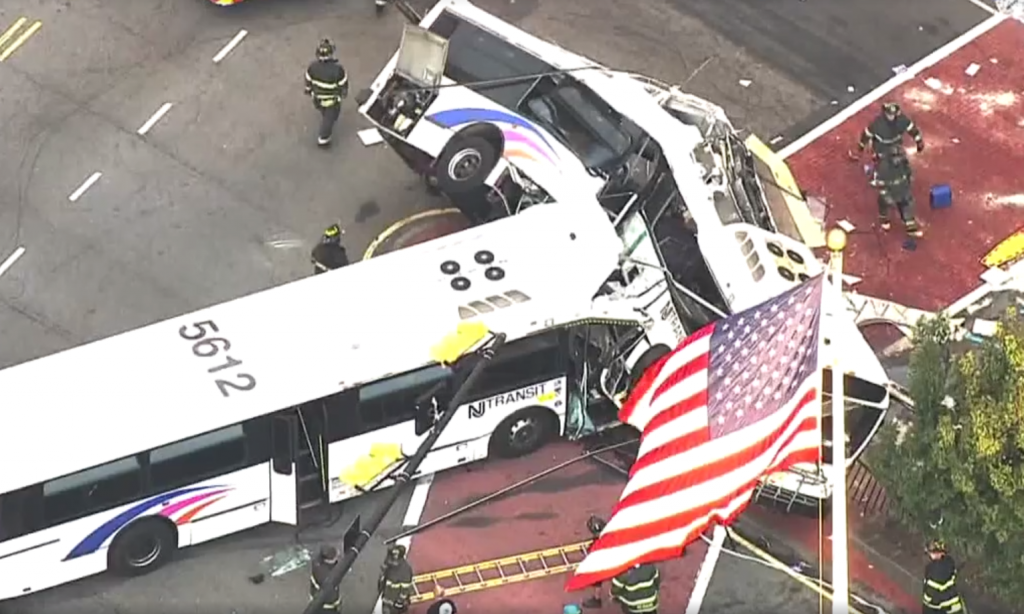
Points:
(1010, 249)
(452, 347)
(391, 452)
(809, 229)
(368, 468)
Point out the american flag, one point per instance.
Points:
(737, 400)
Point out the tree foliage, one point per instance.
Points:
(955, 468)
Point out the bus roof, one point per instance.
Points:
(300, 341)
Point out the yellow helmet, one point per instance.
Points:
(332, 234)
(937, 546)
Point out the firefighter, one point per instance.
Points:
(885, 133)
(327, 84)
(329, 254)
(940, 592)
(892, 178)
(595, 525)
(636, 589)
(319, 571)
(395, 584)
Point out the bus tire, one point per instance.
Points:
(650, 356)
(465, 163)
(143, 546)
(524, 432)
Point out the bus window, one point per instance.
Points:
(17, 514)
(521, 363)
(590, 129)
(92, 490)
(342, 415)
(393, 400)
(194, 459)
(476, 57)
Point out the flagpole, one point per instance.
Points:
(836, 241)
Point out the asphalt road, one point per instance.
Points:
(742, 584)
(227, 191)
(224, 196)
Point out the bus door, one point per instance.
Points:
(311, 456)
(283, 483)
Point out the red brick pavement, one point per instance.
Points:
(974, 131)
(551, 512)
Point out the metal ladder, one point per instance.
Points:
(499, 572)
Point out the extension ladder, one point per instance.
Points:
(499, 572)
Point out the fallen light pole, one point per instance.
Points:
(404, 476)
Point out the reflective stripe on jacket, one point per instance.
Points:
(940, 592)
(396, 585)
(326, 82)
(637, 589)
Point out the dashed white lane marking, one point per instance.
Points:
(6, 264)
(226, 49)
(155, 118)
(85, 186)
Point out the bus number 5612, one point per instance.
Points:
(216, 349)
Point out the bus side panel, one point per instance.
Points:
(466, 439)
(243, 505)
(33, 562)
(77, 549)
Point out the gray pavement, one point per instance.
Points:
(742, 584)
(225, 195)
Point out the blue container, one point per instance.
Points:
(941, 196)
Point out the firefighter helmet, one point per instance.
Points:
(891, 110)
(328, 553)
(937, 546)
(325, 50)
(332, 234)
(595, 525)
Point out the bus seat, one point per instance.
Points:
(543, 110)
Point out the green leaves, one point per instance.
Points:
(962, 457)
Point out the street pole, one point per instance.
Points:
(402, 478)
(836, 241)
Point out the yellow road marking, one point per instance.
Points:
(17, 42)
(400, 224)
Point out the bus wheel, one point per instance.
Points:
(142, 547)
(465, 163)
(524, 432)
(652, 355)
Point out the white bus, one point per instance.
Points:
(500, 120)
(121, 451)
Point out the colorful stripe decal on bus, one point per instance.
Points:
(201, 497)
(522, 139)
